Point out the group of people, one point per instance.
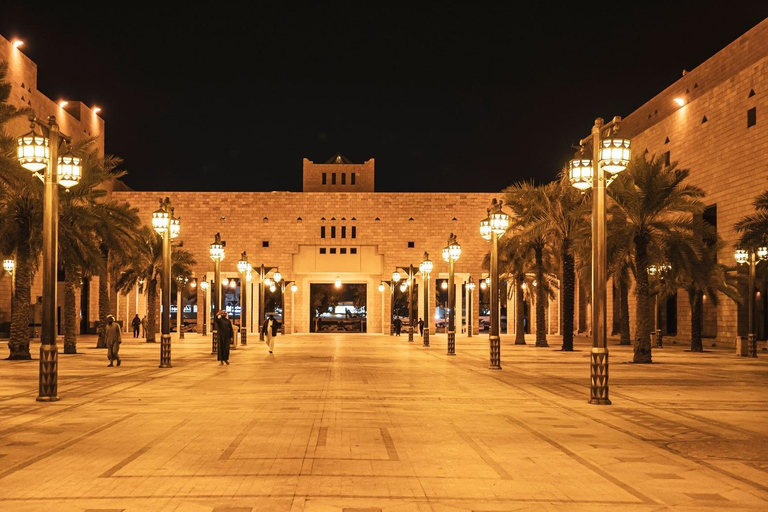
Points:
(398, 324)
(226, 334)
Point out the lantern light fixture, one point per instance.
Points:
(337, 283)
(403, 286)
(17, 43)
(204, 285)
(444, 285)
(294, 288)
(395, 276)
(762, 253)
(272, 287)
(614, 154)
(452, 251)
(680, 101)
(580, 171)
(8, 265)
(278, 276)
(217, 251)
(242, 263)
(381, 287)
(426, 266)
(175, 226)
(32, 151)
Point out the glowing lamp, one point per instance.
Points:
(395, 276)
(160, 220)
(381, 287)
(217, 251)
(614, 154)
(294, 288)
(680, 101)
(652, 270)
(204, 285)
(483, 284)
(426, 266)
(63, 104)
(32, 151)
(272, 288)
(232, 284)
(485, 228)
(444, 285)
(175, 227)
(268, 281)
(8, 265)
(242, 265)
(17, 43)
(499, 222)
(471, 285)
(96, 110)
(762, 253)
(452, 252)
(580, 173)
(404, 286)
(225, 281)
(278, 277)
(337, 283)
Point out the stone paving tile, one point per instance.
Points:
(365, 423)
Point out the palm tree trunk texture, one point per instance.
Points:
(541, 300)
(70, 311)
(569, 291)
(696, 300)
(519, 310)
(103, 307)
(625, 338)
(18, 344)
(151, 309)
(642, 309)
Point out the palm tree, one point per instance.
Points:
(754, 227)
(144, 266)
(515, 264)
(658, 207)
(620, 265)
(526, 200)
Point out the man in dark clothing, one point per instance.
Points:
(421, 326)
(225, 334)
(136, 323)
(398, 325)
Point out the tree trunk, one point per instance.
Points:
(642, 308)
(696, 301)
(541, 298)
(569, 292)
(103, 302)
(18, 344)
(519, 310)
(70, 310)
(151, 308)
(625, 338)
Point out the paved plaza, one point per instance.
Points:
(368, 423)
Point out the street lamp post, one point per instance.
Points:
(451, 254)
(263, 271)
(471, 289)
(206, 319)
(611, 154)
(39, 153)
(751, 256)
(278, 277)
(491, 228)
(395, 280)
(411, 271)
(426, 269)
(217, 255)
(242, 267)
(662, 270)
(9, 266)
(181, 283)
(167, 226)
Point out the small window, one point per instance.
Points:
(666, 159)
(265, 243)
(323, 250)
(322, 231)
(325, 178)
(333, 178)
(751, 117)
(343, 250)
(352, 178)
(333, 250)
(333, 231)
(411, 245)
(353, 250)
(354, 231)
(343, 231)
(343, 178)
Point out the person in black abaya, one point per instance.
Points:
(225, 333)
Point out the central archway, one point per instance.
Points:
(338, 309)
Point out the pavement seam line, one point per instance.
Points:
(135, 455)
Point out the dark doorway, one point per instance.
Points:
(85, 298)
(341, 309)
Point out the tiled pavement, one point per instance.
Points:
(368, 423)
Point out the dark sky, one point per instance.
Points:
(446, 96)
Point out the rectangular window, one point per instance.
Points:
(343, 178)
(354, 231)
(710, 219)
(666, 159)
(751, 117)
(352, 178)
(322, 250)
(353, 250)
(343, 231)
(265, 243)
(325, 178)
(322, 231)
(333, 250)
(411, 245)
(333, 178)
(333, 231)
(343, 250)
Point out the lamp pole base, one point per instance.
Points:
(49, 373)
(426, 336)
(495, 353)
(165, 351)
(214, 342)
(752, 344)
(598, 373)
(244, 337)
(410, 334)
(451, 343)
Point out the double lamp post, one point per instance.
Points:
(751, 257)
(169, 227)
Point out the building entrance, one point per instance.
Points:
(338, 309)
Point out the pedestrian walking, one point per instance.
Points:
(421, 326)
(136, 323)
(398, 326)
(112, 338)
(144, 327)
(225, 332)
(271, 325)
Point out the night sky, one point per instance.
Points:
(446, 96)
